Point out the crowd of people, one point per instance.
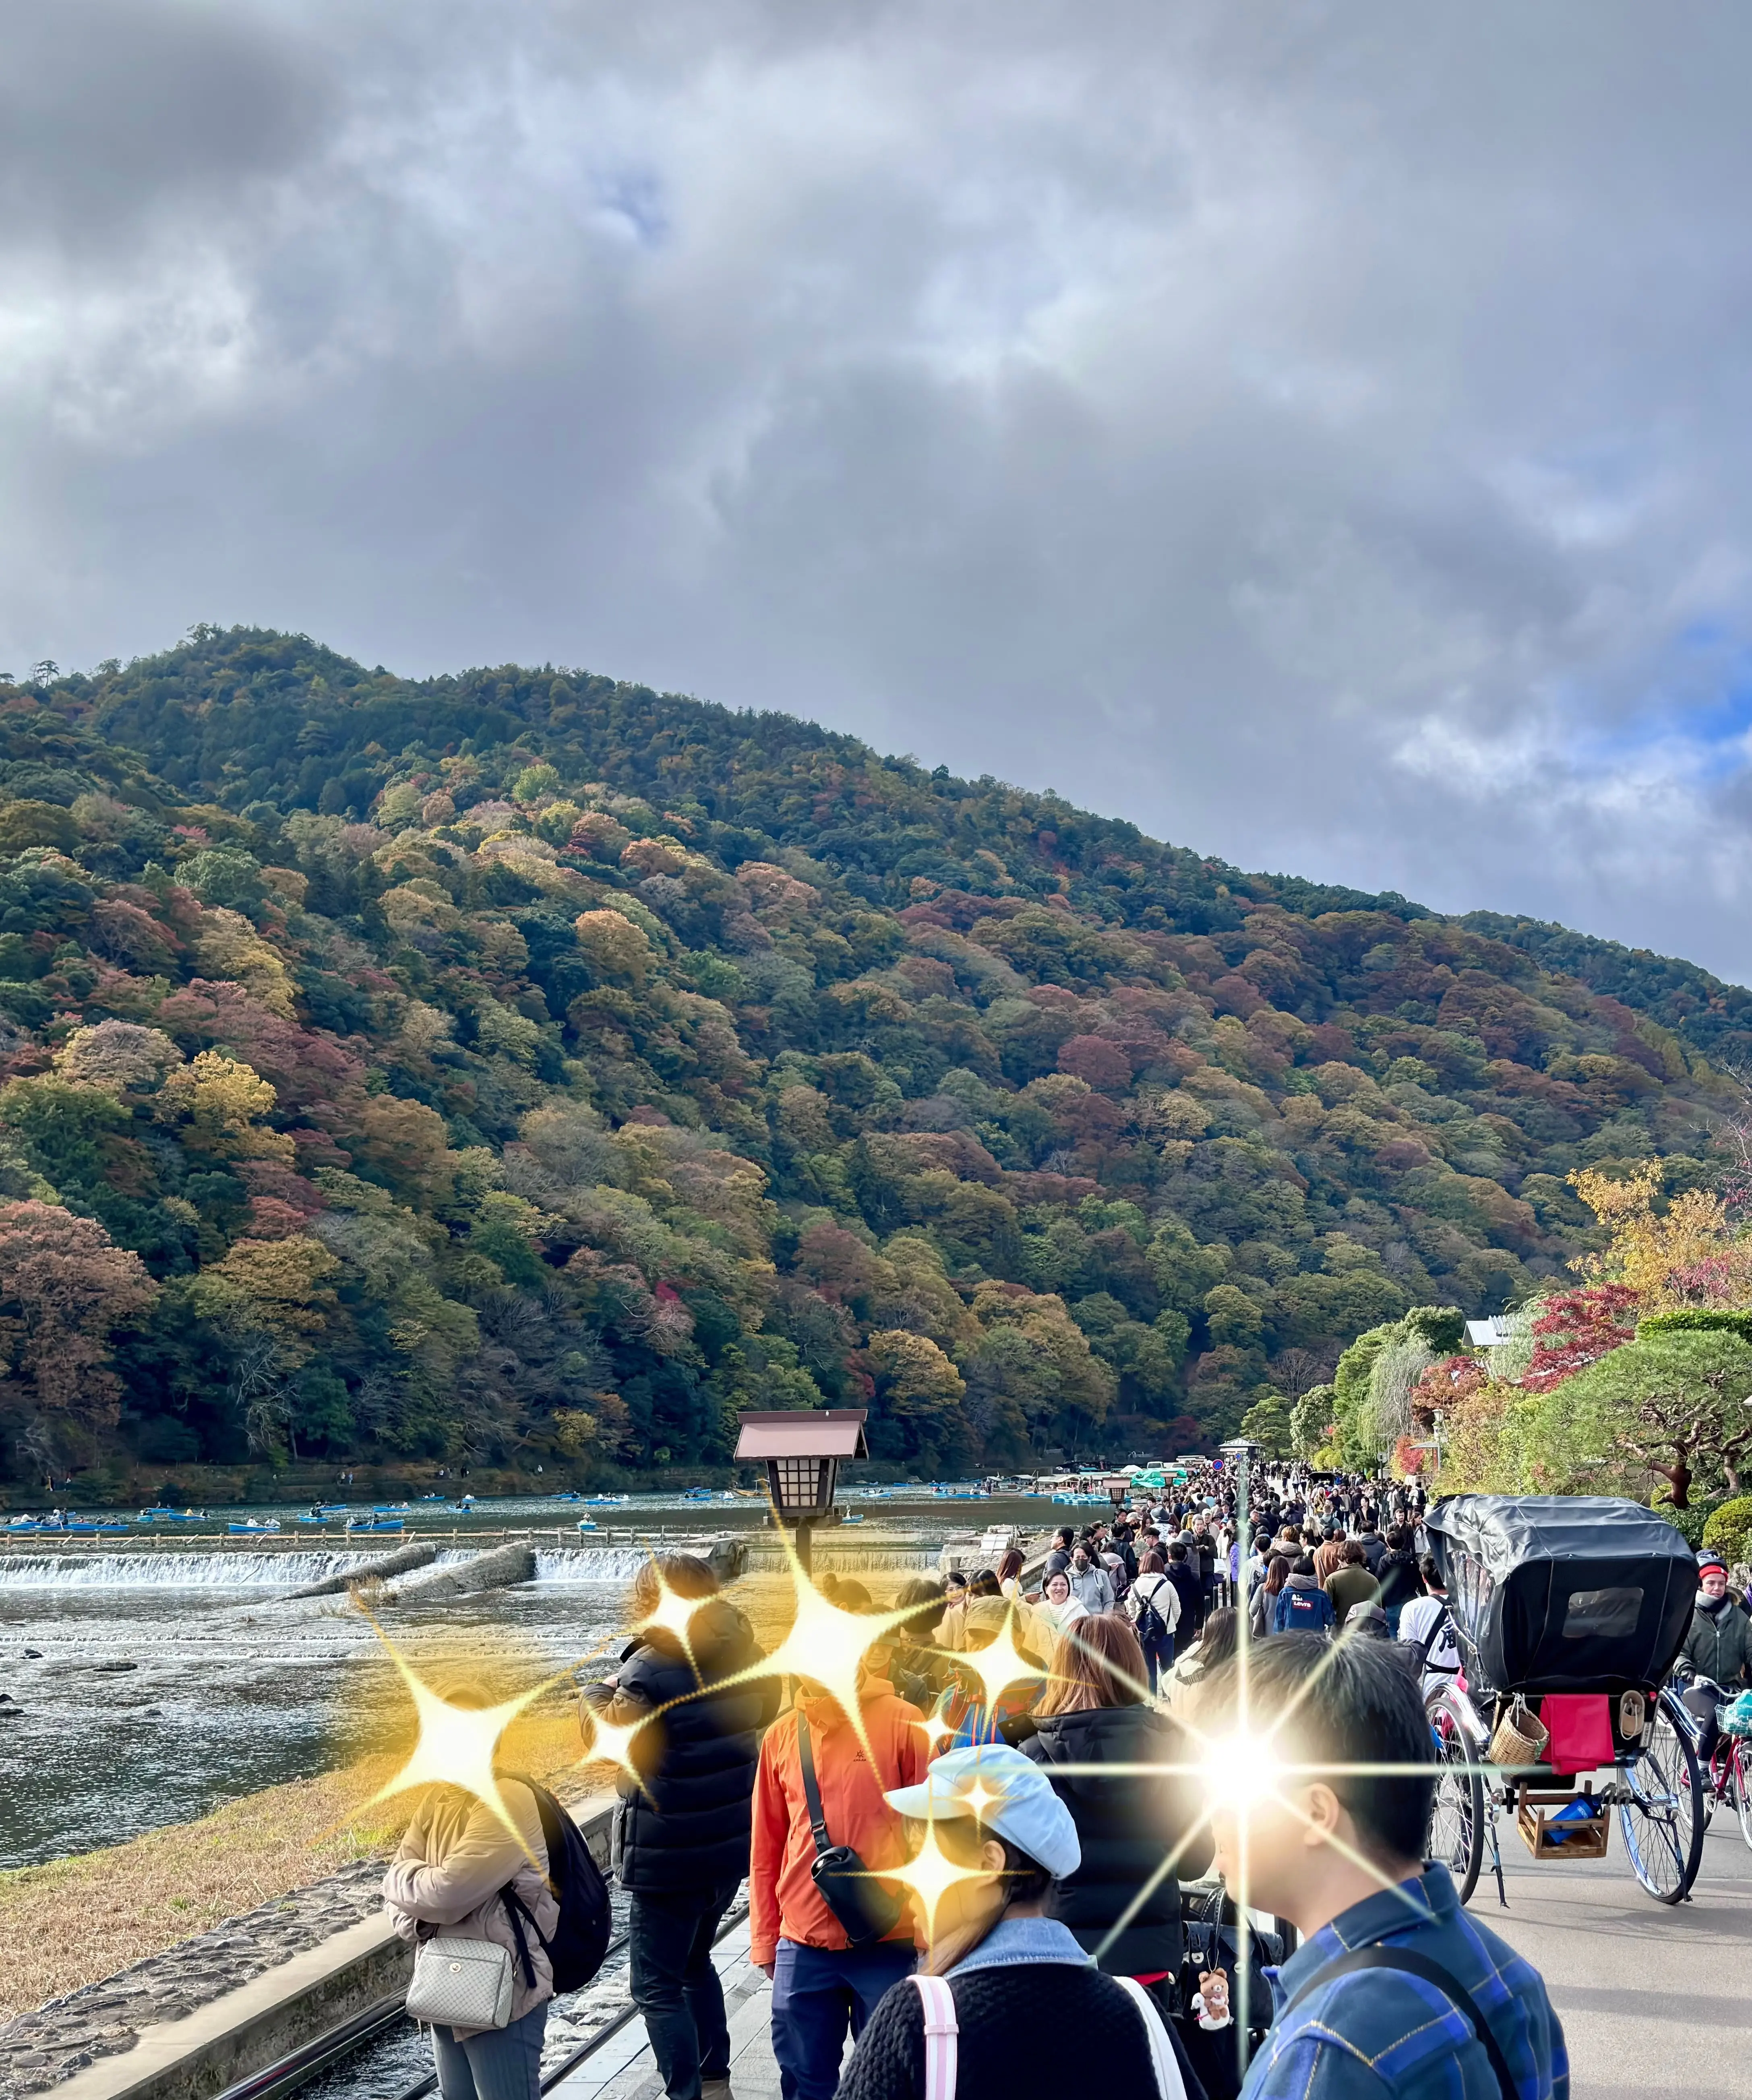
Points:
(1072, 1797)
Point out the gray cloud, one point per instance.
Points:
(1318, 434)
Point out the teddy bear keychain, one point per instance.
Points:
(1212, 2002)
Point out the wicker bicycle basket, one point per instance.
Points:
(1519, 1739)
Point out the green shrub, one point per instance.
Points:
(1697, 1319)
(1728, 1528)
(1440, 1328)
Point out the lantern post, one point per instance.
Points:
(801, 1449)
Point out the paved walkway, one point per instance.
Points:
(1654, 2001)
(622, 2068)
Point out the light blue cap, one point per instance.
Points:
(1010, 1795)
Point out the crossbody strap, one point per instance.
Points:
(516, 1912)
(1170, 2086)
(942, 2036)
(1426, 1647)
(817, 1822)
(1403, 1958)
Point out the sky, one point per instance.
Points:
(1322, 434)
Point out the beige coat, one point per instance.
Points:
(448, 1871)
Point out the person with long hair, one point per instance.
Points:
(1138, 1830)
(1029, 2011)
(1152, 1605)
(1262, 1613)
(1218, 1639)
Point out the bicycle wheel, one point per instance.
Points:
(1662, 1810)
(1740, 1779)
(1457, 1815)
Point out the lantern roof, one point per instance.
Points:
(814, 1433)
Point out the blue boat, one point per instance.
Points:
(253, 1528)
(376, 1523)
(589, 1524)
(605, 1502)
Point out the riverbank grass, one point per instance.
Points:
(73, 1922)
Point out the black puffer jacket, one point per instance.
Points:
(1125, 1824)
(688, 1828)
(1398, 1577)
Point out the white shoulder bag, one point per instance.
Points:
(460, 1984)
(942, 2039)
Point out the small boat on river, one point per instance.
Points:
(374, 1523)
(254, 1527)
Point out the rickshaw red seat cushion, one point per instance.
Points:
(1580, 1727)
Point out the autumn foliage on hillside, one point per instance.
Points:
(523, 1068)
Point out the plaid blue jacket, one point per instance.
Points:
(1376, 2032)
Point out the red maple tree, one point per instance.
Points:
(1576, 1329)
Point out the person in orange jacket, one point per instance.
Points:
(822, 1985)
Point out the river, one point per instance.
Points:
(147, 1683)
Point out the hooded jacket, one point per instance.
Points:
(1303, 1607)
(782, 1901)
(1126, 1825)
(1718, 1643)
(449, 1872)
(1092, 1587)
(687, 1826)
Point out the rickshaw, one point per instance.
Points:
(1568, 1611)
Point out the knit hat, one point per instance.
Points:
(1709, 1558)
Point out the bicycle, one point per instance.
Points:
(1728, 1774)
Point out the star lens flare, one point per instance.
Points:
(456, 1741)
(612, 1744)
(1000, 1664)
(827, 1646)
(929, 1876)
(936, 1729)
(674, 1614)
(1240, 1770)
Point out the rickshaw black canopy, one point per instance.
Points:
(1564, 1593)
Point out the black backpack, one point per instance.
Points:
(581, 1939)
(1150, 1625)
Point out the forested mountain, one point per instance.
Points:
(522, 1067)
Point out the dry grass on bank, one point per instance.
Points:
(73, 1922)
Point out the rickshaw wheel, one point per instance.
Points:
(1664, 1843)
(1457, 1815)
